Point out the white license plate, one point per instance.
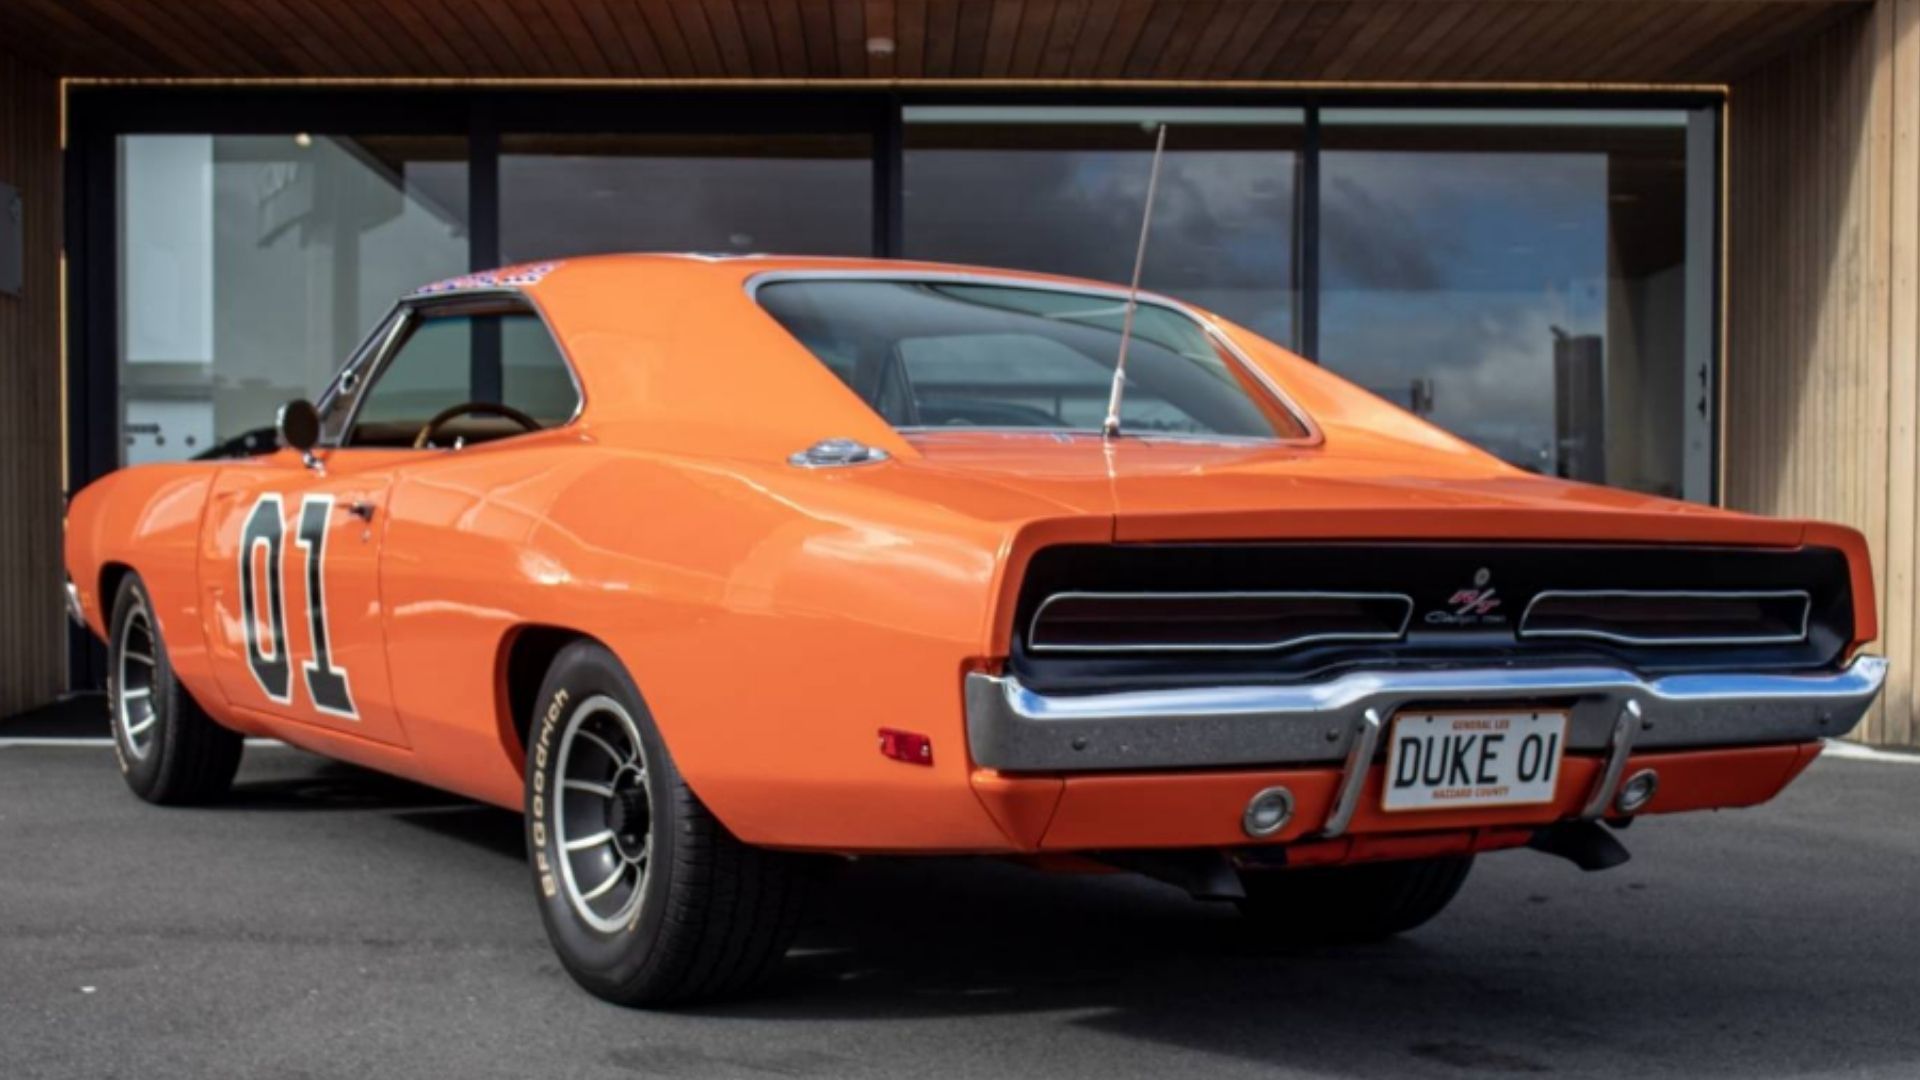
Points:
(1445, 760)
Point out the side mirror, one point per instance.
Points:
(299, 425)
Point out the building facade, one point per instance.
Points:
(1665, 246)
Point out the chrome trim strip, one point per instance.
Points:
(1013, 728)
(1406, 620)
(1313, 434)
(1353, 776)
(1624, 728)
(352, 376)
(1806, 616)
(75, 610)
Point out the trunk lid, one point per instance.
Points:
(1174, 490)
(1170, 490)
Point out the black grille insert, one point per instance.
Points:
(1214, 621)
(1654, 617)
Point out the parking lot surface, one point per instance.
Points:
(332, 923)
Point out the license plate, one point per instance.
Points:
(1446, 760)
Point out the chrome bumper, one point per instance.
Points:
(74, 611)
(1012, 728)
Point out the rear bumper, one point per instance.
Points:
(1013, 729)
(1202, 810)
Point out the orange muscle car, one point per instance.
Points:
(714, 566)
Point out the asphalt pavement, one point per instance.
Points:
(332, 923)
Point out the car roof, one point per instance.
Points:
(738, 267)
(660, 349)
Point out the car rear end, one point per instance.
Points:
(1314, 701)
(1318, 630)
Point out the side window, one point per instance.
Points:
(433, 370)
(534, 376)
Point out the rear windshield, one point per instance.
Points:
(936, 354)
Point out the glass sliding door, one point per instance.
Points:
(1538, 281)
(250, 266)
(1061, 189)
(790, 194)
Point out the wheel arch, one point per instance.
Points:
(526, 653)
(112, 573)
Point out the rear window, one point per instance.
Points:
(938, 354)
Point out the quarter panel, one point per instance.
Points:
(775, 619)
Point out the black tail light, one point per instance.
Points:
(1644, 617)
(1213, 621)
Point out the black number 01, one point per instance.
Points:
(265, 528)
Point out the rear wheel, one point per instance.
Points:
(647, 898)
(1367, 902)
(170, 751)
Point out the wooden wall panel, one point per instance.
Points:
(33, 637)
(1898, 172)
(1823, 399)
(1361, 40)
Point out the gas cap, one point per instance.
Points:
(836, 453)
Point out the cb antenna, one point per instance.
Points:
(1112, 427)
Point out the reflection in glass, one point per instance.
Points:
(961, 356)
(1061, 190)
(252, 265)
(793, 194)
(1520, 278)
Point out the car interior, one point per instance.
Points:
(432, 391)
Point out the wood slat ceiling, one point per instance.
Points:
(1304, 40)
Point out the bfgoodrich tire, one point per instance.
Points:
(1367, 902)
(170, 751)
(647, 898)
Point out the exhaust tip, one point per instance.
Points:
(1267, 812)
(1637, 792)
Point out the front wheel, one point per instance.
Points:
(1366, 902)
(647, 898)
(170, 751)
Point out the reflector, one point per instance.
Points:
(908, 746)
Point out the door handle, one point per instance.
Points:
(360, 509)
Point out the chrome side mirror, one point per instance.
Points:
(299, 426)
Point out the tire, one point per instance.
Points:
(671, 907)
(169, 750)
(1367, 902)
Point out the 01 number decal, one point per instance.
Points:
(265, 531)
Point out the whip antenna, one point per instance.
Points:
(1112, 426)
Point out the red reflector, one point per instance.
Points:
(906, 746)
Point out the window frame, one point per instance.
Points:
(1278, 396)
(371, 361)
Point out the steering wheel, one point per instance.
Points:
(471, 408)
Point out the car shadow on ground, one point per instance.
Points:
(1471, 995)
(320, 785)
(316, 784)
(1116, 954)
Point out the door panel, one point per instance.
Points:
(290, 572)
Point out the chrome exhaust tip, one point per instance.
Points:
(1267, 812)
(1637, 792)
